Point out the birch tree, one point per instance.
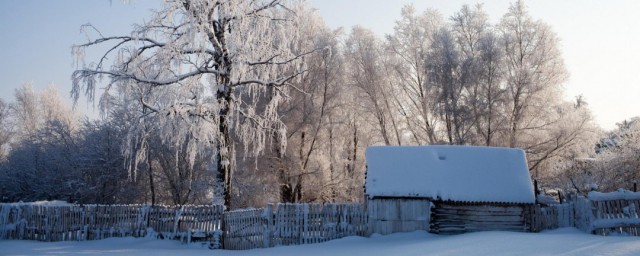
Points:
(447, 75)
(306, 115)
(207, 63)
(365, 57)
(479, 62)
(6, 130)
(307, 171)
(410, 42)
(490, 94)
(25, 111)
(534, 69)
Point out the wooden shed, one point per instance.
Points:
(447, 189)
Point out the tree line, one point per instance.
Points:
(248, 102)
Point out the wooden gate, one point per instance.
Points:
(245, 229)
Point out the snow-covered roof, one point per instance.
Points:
(456, 173)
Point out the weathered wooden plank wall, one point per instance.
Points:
(388, 216)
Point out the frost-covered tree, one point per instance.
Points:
(368, 74)
(560, 154)
(617, 161)
(41, 163)
(25, 111)
(6, 130)
(479, 73)
(489, 92)
(178, 181)
(534, 70)
(448, 74)
(308, 117)
(208, 64)
(101, 165)
(310, 169)
(409, 43)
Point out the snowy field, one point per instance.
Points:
(566, 241)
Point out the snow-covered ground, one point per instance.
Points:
(566, 241)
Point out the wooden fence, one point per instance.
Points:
(91, 222)
(551, 217)
(599, 213)
(292, 224)
(612, 212)
(285, 224)
(281, 224)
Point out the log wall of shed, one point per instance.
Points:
(455, 218)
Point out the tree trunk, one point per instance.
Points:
(152, 187)
(224, 164)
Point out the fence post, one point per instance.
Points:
(536, 191)
(267, 223)
(305, 224)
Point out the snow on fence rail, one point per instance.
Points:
(599, 213)
(615, 211)
(91, 222)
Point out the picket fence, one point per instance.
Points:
(293, 224)
(605, 213)
(551, 217)
(281, 224)
(599, 213)
(91, 222)
(276, 224)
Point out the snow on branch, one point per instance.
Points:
(192, 75)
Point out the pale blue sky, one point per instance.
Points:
(599, 39)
